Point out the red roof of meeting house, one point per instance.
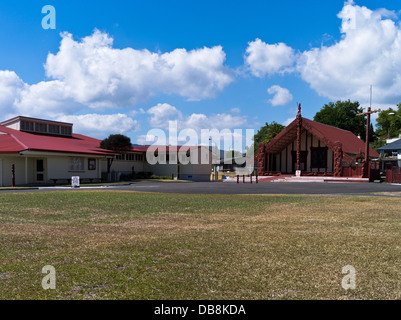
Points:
(14, 141)
(350, 142)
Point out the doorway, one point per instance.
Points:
(303, 159)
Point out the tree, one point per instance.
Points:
(267, 133)
(115, 142)
(388, 123)
(342, 114)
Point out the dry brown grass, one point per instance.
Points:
(198, 246)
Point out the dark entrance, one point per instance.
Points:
(303, 158)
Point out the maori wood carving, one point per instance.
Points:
(338, 156)
(261, 158)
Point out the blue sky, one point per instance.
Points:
(207, 64)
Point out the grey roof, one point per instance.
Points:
(396, 145)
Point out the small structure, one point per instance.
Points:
(391, 154)
(309, 148)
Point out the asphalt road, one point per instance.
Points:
(262, 188)
(234, 188)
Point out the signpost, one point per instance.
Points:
(75, 182)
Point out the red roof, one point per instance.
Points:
(14, 141)
(9, 145)
(167, 148)
(350, 142)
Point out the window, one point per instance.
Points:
(138, 157)
(76, 164)
(54, 129)
(26, 126)
(91, 164)
(129, 157)
(39, 166)
(40, 127)
(67, 131)
(319, 157)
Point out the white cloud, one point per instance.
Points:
(100, 125)
(89, 76)
(369, 53)
(222, 127)
(11, 87)
(190, 126)
(267, 59)
(148, 139)
(288, 121)
(46, 98)
(282, 96)
(162, 113)
(98, 75)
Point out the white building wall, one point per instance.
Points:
(59, 168)
(124, 166)
(56, 167)
(197, 167)
(166, 170)
(19, 171)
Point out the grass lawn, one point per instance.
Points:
(126, 245)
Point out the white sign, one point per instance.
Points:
(75, 182)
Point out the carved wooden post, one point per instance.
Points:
(299, 127)
(261, 159)
(13, 175)
(338, 156)
(366, 167)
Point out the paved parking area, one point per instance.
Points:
(261, 188)
(234, 188)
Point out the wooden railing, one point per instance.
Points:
(353, 172)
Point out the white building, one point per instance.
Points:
(44, 152)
